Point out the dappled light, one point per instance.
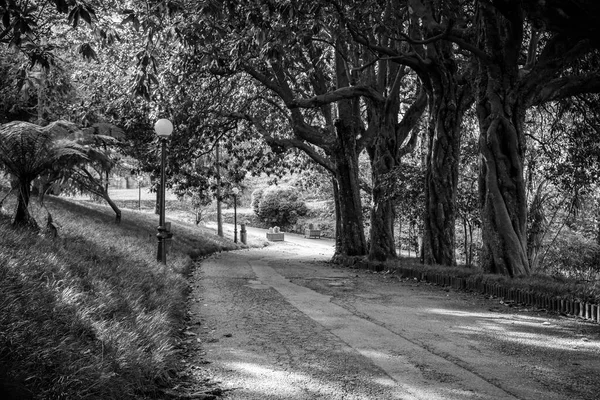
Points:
(293, 154)
(265, 379)
(526, 330)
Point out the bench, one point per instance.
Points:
(312, 233)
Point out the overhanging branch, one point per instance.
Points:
(286, 143)
(568, 86)
(344, 93)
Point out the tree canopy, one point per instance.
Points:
(332, 79)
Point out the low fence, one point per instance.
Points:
(569, 307)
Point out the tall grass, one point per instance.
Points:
(91, 314)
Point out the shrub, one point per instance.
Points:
(573, 256)
(280, 205)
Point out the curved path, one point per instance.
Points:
(281, 323)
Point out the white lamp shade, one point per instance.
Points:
(163, 127)
(235, 190)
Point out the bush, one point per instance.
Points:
(573, 256)
(280, 206)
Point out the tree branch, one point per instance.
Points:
(405, 130)
(344, 93)
(567, 86)
(286, 143)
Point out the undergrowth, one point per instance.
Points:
(556, 286)
(91, 314)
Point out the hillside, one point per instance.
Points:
(91, 314)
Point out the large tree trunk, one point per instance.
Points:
(448, 100)
(345, 159)
(501, 115)
(382, 243)
(447, 104)
(383, 154)
(391, 141)
(352, 234)
(502, 194)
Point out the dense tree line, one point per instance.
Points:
(339, 78)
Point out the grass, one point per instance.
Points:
(91, 314)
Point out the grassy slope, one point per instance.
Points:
(91, 314)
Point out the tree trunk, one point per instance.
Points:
(597, 221)
(538, 226)
(114, 207)
(22, 217)
(465, 242)
(446, 108)
(352, 234)
(338, 253)
(391, 140)
(383, 160)
(345, 159)
(399, 235)
(501, 115)
(502, 196)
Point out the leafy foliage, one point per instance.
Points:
(57, 152)
(573, 256)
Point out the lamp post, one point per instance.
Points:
(163, 128)
(235, 193)
(139, 181)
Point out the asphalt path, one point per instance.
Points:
(279, 322)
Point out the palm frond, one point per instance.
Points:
(104, 129)
(22, 146)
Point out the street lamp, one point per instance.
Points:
(139, 181)
(235, 193)
(163, 128)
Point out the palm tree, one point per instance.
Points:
(91, 175)
(28, 150)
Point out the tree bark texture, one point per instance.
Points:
(21, 215)
(353, 242)
(501, 116)
(338, 253)
(345, 160)
(383, 159)
(447, 104)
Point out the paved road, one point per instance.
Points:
(281, 323)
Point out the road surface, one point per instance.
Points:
(280, 322)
